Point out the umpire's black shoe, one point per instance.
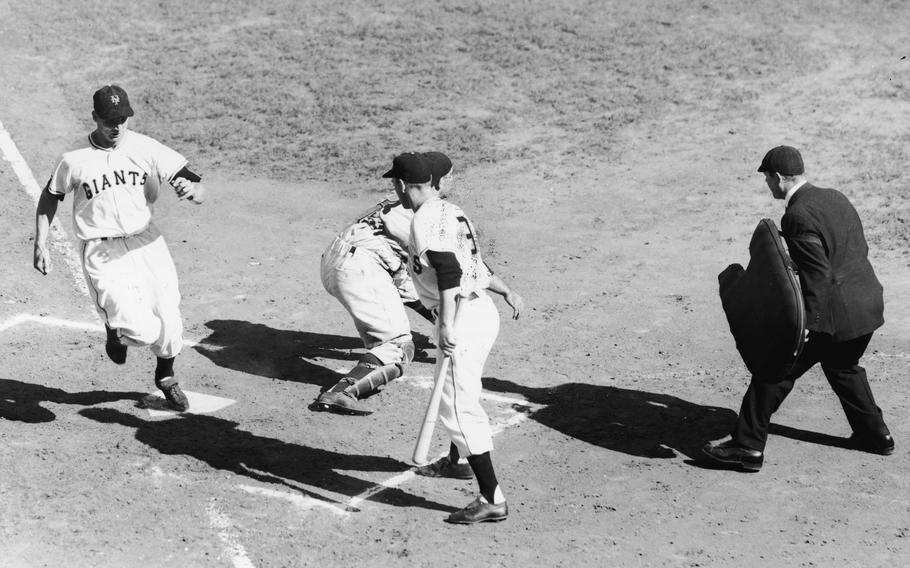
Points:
(479, 511)
(173, 394)
(732, 456)
(872, 443)
(115, 349)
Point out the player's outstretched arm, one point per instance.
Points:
(514, 300)
(44, 216)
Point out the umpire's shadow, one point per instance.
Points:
(222, 445)
(637, 423)
(258, 349)
(21, 401)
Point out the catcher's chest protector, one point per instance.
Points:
(764, 305)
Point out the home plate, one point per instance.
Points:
(199, 404)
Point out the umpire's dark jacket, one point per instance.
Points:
(825, 237)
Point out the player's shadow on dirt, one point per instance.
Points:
(258, 349)
(637, 423)
(21, 401)
(222, 445)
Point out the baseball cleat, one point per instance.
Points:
(173, 394)
(115, 349)
(443, 467)
(339, 403)
(479, 511)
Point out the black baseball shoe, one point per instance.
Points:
(115, 349)
(732, 456)
(339, 402)
(479, 511)
(444, 467)
(173, 394)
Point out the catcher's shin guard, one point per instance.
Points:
(367, 377)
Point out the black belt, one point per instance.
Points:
(352, 249)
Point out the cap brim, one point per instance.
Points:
(389, 174)
(128, 113)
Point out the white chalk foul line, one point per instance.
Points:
(223, 526)
(299, 501)
(60, 242)
(19, 319)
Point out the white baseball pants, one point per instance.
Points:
(134, 285)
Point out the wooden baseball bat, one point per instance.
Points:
(429, 419)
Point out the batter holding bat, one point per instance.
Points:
(450, 276)
(114, 176)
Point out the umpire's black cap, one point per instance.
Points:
(785, 160)
(410, 167)
(111, 102)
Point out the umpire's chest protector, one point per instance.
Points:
(764, 305)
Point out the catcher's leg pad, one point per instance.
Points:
(368, 376)
(372, 380)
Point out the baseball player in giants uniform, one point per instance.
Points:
(365, 268)
(114, 176)
(450, 276)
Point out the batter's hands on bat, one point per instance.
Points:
(42, 260)
(186, 189)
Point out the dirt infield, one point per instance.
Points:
(607, 152)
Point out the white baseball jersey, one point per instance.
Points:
(126, 262)
(442, 226)
(113, 187)
(396, 223)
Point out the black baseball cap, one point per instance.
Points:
(440, 166)
(410, 167)
(785, 160)
(111, 102)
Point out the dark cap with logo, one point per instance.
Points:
(410, 167)
(784, 160)
(111, 102)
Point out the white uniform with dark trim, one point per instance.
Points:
(443, 227)
(126, 262)
(365, 268)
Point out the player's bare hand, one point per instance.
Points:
(517, 303)
(447, 339)
(186, 189)
(42, 261)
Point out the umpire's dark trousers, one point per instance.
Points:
(840, 363)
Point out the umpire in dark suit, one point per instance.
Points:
(844, 306)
